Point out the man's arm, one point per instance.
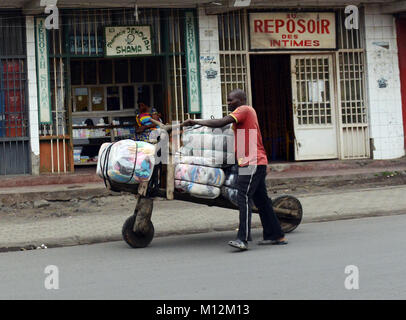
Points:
(214, 123)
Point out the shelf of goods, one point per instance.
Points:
(87, 141)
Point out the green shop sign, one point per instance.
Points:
(44, 97)
(192, 65)
(127, 41)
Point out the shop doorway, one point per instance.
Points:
(314, 111)
(272, 100)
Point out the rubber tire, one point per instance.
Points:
(291, 224)
(137, 239)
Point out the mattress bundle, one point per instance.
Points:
(200, 160)
(126, 161)
(212, 147)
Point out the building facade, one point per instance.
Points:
(323, 89)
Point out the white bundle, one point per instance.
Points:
(126, 161)
(215, 145)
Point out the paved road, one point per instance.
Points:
(203, 267)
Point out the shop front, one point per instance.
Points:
(105, 93)
(102, 62)
(304, 75)
(15, 151)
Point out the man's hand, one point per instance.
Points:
(188, 123)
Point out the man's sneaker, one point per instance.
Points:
(239, 244)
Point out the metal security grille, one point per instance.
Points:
(234, 65)
(351, 64)
(312, 90)
(177, 65)
(14, 140)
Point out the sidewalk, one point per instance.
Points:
(76, 208)
(303, 177)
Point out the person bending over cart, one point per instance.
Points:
(252, 171)
(144, 124)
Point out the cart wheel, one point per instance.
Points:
(137, 239)
(291, 219)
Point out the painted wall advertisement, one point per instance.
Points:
(44, 98)
(287, 30)
(128, 41)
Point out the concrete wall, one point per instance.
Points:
(383, 85)
(209, 66)
(32, 95)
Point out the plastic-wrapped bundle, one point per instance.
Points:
(218, 158)
(184, 152)
(200, 161)
(231, 176)
(216, 144)
(197, 190)
(200, 174)
(126, 161)
(229, 189)
(230, 194)
(180, 158)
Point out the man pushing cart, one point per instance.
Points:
(202, 174)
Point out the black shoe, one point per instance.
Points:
(239, 244)
(272, 242)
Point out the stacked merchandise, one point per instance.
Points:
(213, 147)
(200, 160)
(126, 162)
(199, 181)
(229, 188)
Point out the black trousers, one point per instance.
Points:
(251, 188)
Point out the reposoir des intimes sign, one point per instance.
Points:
(290, 30)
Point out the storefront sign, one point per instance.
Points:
(192, 65)
(286, 30)
(128, 41)
(44, 97)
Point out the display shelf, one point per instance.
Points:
(88, 137)
(90, 141)
(85, 163)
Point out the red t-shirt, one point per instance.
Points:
(249, 150)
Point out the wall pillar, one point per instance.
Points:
(210, 66)
(32, 95)
(383, 85)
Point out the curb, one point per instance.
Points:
(82, 193)
(75, 240)
(378, 178)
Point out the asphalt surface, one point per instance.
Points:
(101, 220)
(311, 266)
